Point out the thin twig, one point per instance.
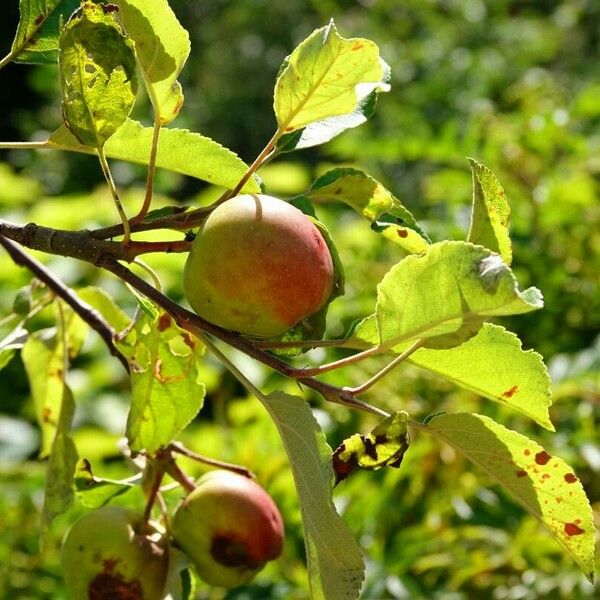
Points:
(90, 315)
(240, 470)
(355, 391)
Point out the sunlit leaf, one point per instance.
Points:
(325, 130)
(45, 363)
(97, 74)
(327, 76)
(383, 447)
(492, 364)
(374, 202)
(36, 40)
(106, 306)
(543, 484)
(180, 151)
(162, 47)
(453, 285)
(59, 494)
(335, 564)
(490, 218)
(166, 391)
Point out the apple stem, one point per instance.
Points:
(337, 364)
(178, 475)
(258, 162)
(355, 391)
(153, 493)
(240, 470)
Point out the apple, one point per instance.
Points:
(258, 266)
(229, 527)
(104, 555)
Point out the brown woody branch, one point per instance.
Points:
(106, 255)
(90, 315)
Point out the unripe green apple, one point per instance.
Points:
(104, 557)
(229, 527)
(258, 266)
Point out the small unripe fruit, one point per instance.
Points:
(229, 527)
(258, 266)
(104, 558)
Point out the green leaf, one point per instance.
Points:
(106, 306)
(450, 287)
(335, 564)
(166, 391)
(325, 130)
(327, 76)
(544, 485)
(374, 202)
(45, 367)
(383, 447)
(492, 364)
(97, 74)
(93, 491)
(180, 151)
(36, 40)
(162, 46)
(59, 493)
(490, 218)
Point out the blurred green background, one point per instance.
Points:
(515, 84)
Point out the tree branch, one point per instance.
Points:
(90, 315)
(106, 255)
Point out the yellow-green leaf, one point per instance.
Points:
(180, 151)
(383, 447)
(36, 40)
(335, 564)
(166, 390)
(326, 76)
(490, 218)
(450, 287)
(543, 484)
(374, 202)
(162, 46)
(97, 74)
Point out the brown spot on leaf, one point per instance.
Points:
(526, 452)
(39, 19)
(357, 46)
(542, 458)
(521, 473)
(572, 529)
(338, 191)
(510, 393)
(570, 478)
(46, 415)
(402, 233)
(188, 341)
(164, 322)
(109, 8)
(370, 448)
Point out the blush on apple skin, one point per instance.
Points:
(258, 266)
(229, 527)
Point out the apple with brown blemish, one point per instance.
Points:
(258, 266)
(229, 527)
(110, 553)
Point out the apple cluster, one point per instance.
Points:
(228, 526)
